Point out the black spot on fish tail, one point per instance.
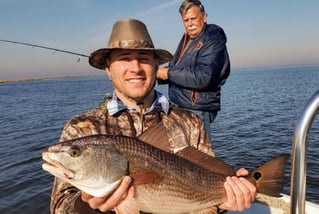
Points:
(257, 175)
(269, 178)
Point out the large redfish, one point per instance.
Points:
(165, 182)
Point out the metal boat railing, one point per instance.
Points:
(299, 155)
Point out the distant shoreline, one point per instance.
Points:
(21, 80)
(38, 79)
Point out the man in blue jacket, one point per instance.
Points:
(200, 65)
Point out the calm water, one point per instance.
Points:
(259, 111)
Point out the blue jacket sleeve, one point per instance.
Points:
(203, 68)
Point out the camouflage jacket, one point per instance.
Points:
(183, 128)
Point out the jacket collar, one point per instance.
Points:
(115, 105)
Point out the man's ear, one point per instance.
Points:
(108, 73)
(205, 17)
(156, 62)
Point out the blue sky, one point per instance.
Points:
(260, 33)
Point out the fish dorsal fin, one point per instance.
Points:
(156, 136)
(210, 163)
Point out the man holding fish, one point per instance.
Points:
(131, 62)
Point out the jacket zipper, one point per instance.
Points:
(193, 97)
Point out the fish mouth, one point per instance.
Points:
(56, 168)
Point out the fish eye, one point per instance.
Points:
(75, 151)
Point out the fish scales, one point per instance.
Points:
(181, 182)
(100, 162)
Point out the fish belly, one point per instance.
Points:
(169, 196)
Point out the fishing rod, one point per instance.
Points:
(44, 47)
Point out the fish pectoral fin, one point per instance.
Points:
(128, 206)
(144, 177)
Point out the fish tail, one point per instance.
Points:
(269, 178)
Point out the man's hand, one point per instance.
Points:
(162, 73)
(240, 192)
(124, 192)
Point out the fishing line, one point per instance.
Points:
(44, 47)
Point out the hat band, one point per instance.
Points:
(128, 44)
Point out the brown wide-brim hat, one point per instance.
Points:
(128, 34)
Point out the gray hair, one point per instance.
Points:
(188, 4)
